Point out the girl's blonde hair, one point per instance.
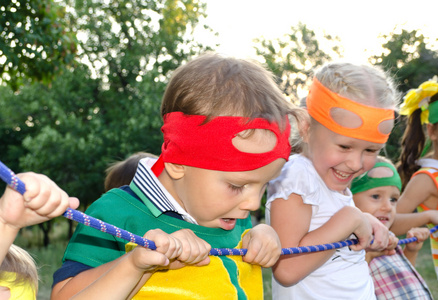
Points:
(19, 261)
(368, 85)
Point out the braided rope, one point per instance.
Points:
(15, 183)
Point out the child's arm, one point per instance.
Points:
(123, 277)
(291, 220)
(411, 249)
(405, 221)
(42, 201)
(263, 246)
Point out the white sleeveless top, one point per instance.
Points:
(345, 275)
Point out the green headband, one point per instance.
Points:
(364, 182)
(433, 112)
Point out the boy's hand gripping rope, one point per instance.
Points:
(15, 183)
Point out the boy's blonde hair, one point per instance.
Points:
(215, 85)
(19, 261)
(368, 85)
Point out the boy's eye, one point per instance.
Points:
(375, 196)
(236, 188)
(394, 200)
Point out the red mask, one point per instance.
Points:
(188, 141)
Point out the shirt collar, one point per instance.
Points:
(153, 194)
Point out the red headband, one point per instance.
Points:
(188, 141)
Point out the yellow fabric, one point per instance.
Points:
(419, 99)
(23, 291)
(207, 282)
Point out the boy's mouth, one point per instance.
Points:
(228, 223)
(383, 219)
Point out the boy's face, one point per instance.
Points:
(380, 201)
(217, 199)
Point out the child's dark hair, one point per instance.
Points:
(122, 172)
(412, 144)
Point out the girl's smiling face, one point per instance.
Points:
(337, 158)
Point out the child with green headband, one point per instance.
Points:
(393, 272)
(418, 166)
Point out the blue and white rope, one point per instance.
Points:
(15, 183)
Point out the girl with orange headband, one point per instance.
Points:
(418, 165)
(352, 114)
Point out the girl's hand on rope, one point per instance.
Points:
(389, 250)
(263, 244)
(421, 233)
(42, 201)
(380, 232)
(363, 231)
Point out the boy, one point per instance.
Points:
(393, 272)
(226, 134)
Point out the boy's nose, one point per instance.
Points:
(251, 203)
(386, 205)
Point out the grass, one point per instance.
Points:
(49, 260)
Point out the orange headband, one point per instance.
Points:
(321, 100)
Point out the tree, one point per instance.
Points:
(293, 58)
(410, 61)
(35, 41)
(408, 58)
(107, 106)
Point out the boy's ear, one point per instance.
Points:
(175, 171)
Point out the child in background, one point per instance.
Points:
(42, 201)
(226, 132)
(122, 172)
(394, 276)
(352, 114)
(419, 175)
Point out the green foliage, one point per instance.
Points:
(293, 58)
(35, 41)
(407, 57)
(107, 107)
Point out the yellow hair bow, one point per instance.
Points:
(419, 98)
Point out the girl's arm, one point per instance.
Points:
(404, 222)
(291, 219)
(421, 189)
